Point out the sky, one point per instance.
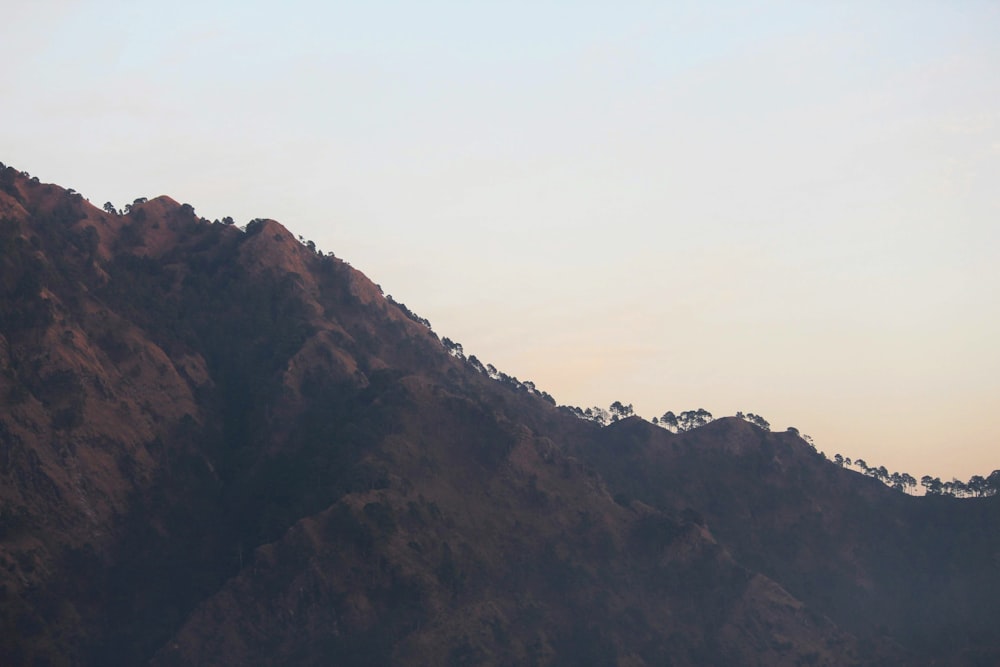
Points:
(786, 208)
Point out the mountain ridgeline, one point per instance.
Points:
(220, 447)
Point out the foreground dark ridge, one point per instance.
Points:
(220, 448)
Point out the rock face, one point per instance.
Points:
(219, 448)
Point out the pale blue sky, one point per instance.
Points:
(777, 207)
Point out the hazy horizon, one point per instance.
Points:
(781, 209)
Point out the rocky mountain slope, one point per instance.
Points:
(921, 571)
(218, 447)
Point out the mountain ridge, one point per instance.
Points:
(221, 447)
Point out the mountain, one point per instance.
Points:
(220, 447)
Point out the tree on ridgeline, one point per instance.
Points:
(685, 421)
(388, 297)
(956, 488)
(691, 419)
(758, 421)
(454, 349)
(976, 486)
(596, 414)
(620, 411)
(993, 483)
(478, 365)
(669, 422)
(932, 485)
(896, 482)
(909, 482)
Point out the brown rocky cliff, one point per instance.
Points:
(91, 404)
(76, 375)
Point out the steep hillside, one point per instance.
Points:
(922, 571)
(219, 447)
